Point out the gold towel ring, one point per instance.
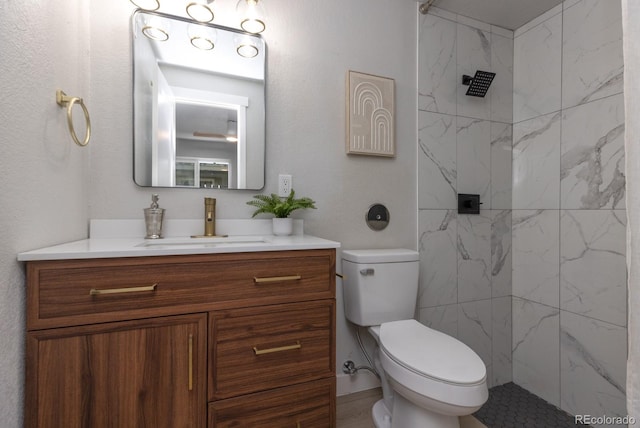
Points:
(64, 100)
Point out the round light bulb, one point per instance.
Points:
(202, 43)
(147, 4)
(247, 50)
(252, 15)
(200, 12)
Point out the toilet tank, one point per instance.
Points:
(379, 285)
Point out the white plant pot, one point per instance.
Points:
(282, 226)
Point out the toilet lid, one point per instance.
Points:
(431, 353)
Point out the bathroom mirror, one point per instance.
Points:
(198, 104)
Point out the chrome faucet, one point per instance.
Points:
(209, 217)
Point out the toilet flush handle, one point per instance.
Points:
(367, 271)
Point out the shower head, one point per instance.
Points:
(478, 84)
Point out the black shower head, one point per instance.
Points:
(478, 84)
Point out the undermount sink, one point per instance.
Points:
(200, 242)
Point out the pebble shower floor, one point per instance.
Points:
(510, 406)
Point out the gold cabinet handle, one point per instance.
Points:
(276, 279)
(191, 362)
(298, 425)
(96, 292)
(279, 349)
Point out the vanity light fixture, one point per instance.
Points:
(156, 29)
(202, 43)
(202, 37)
(147, 4)
(155, 33)
(200, 10)
(252, 15)
(246, 47)
(232, 131)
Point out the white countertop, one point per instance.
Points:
(99, 246)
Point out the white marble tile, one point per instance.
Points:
(538, 20)
(568, 3)
(473, 53)
(437, 182)
(501, 171)
(474, 257)
(436, 11)
(438, 258)
(593, 357)
(536, 349)
(442, 318)
(438, 78)
(474, 158)
(592, 159)
(501, 255)
(537, 70)
(536, 251)
(502, 369)
(474, 327)
(501, 88)
(592, 62)
(593, 264)
(504, 32)
(474, 23)
(536, 163)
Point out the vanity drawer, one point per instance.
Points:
(73, 292)
(308, 405)
(253, 350)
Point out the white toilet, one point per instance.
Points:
(428, 378)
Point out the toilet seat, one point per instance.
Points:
(430, 353)
(449, 378)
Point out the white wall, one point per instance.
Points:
(51, 187)
(44, 175)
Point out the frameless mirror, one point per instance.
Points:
(198, 103)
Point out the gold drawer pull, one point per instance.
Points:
(279, 349)
(191, 362)
(96, 292)
(276, 279)
(298, 425)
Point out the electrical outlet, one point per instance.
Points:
(285, 183)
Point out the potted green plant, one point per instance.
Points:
(281, 208)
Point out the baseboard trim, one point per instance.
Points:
(349, 384)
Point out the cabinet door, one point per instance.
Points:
(144, 373)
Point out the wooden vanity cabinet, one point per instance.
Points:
(144, 373)
(216, 340)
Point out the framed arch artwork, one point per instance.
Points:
(370, 115)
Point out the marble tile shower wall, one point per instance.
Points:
(536, 284)
(465, 147)
(568, 218)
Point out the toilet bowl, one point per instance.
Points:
(435, 377)
(428, 378)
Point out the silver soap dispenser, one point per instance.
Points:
(153, 219)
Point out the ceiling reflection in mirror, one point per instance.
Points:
(199, 104)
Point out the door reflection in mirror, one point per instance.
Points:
(204, 105)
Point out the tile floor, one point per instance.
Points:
(354, 411)
(509, 406)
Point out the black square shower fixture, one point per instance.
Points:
(478, 84)
(468, 204)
